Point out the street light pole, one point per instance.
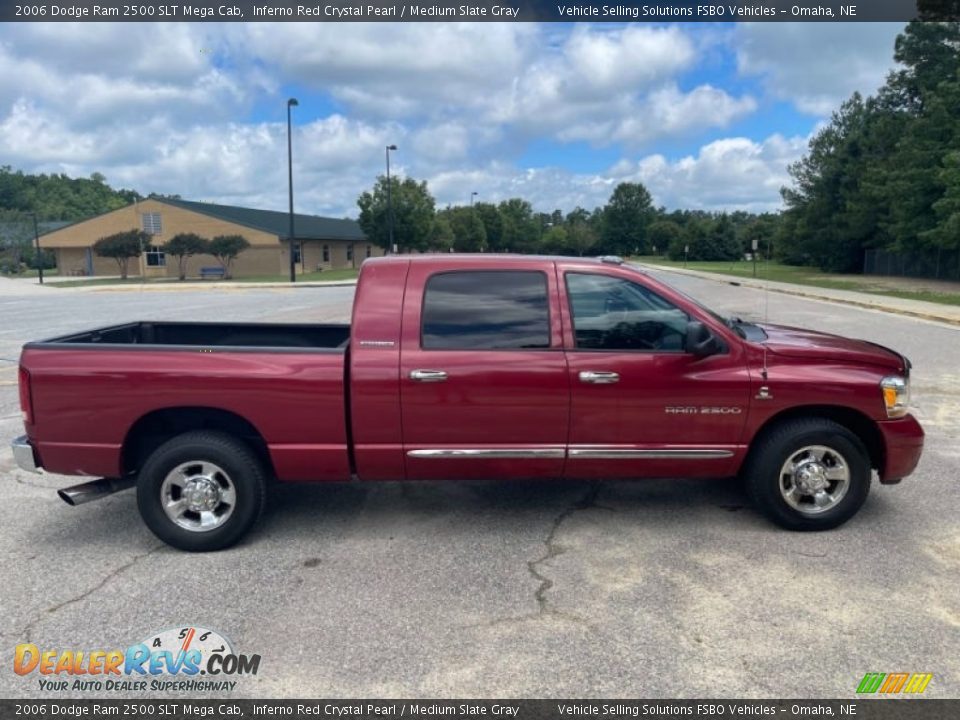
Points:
(472, 196)
(292, 102)
(391, 244)
(36, 240)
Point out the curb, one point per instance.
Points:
(812, 295)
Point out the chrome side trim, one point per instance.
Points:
(23, 454)
(615, 454)
(491, 454)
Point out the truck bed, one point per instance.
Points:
(226, 335)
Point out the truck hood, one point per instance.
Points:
(809, 344)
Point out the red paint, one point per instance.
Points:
(85, 401)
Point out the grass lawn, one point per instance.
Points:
(32, 273)
(325, 276)
(811, 276)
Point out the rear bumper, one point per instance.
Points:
(24, 455)
(903, 444)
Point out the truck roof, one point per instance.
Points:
(507, 258)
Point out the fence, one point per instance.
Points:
(941, 264)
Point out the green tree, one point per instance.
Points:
(626, 217)
(493, 225)
(413, 211)
(555, 240)
(122, 246)
(469, 235)
(184, 246)
(441, 234)
(661, 234)
(58, 197)
(521, 229)
(225, 249)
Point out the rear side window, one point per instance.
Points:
(486, 310)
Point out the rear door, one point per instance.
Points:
(484, 384)
(641, 406)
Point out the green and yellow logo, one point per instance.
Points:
(894, 683)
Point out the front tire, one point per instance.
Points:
(201, 491)
(809, 474)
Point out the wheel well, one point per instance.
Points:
(155, 428)
(854, 420)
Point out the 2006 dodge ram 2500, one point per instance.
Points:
(467, 367)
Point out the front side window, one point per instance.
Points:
(486, 310)
(156, 256)
(611, 313)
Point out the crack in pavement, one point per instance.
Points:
(589, 500)
(116, 572)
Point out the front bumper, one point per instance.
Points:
(903, 444)
(24, 455)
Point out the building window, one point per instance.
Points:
(326, 253)
(369, 251)
(151, 223)
(349, 253)
(156, 256)
(298, 252)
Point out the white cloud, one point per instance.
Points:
(816, 66)
(729, 174)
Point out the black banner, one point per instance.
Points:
(174, 709)
(477, 11)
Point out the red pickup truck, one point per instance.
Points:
(467, 367)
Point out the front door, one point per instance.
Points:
(483, 377)
(641, 406)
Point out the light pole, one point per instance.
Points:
(292, 102)
(39, 255)
(391, 243)
(473, 213)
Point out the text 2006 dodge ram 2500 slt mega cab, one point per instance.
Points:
(467, 367)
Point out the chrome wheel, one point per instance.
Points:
(198, 496)
(814, 479)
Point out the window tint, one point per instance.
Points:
(614, 314)
(486, 311)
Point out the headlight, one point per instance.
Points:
(896, 396)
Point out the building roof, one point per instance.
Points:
(305, 227)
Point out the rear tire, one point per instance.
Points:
(201, 491)
(808, 474)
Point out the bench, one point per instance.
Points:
(211, 272)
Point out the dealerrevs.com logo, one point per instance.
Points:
(187, 659)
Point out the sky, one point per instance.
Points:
(706, 116)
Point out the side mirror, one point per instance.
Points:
(700, 341)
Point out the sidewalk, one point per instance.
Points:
(900, 306)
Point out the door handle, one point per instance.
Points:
(428, 375)
(599, 377)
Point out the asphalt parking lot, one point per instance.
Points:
(553, 589)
